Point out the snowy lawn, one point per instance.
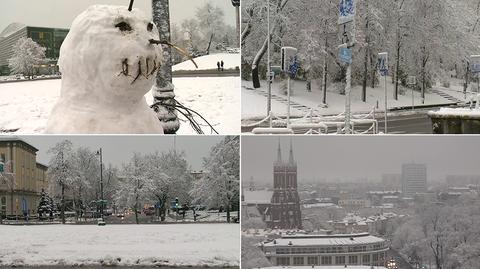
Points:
(230, 60)
(254, 102)
(26, 106)
(172, 245)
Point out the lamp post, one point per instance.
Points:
(269, 101)
(236, 4)
(99, 152)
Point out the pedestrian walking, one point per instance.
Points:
(218, 66)
(221, 64)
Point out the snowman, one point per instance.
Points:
(108, 62)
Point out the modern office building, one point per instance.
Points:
(49, 38)
(327, 250)
(22, 178)
(284, 212)
(414, 179)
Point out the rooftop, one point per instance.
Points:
(325, 240)
(258, 197)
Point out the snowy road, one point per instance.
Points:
(121, 245)
(26, 106)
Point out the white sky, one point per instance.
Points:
(119, 149)
(60, 13)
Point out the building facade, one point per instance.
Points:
(324, 250)
(284, 212)
(414, 179)
(22, 180)
(49, 38)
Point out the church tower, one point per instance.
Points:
(284, 212)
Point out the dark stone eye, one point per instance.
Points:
(123, 26)
(150, 26)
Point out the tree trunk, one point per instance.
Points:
(365, 61)
(397, 69)
(163, 90)
(209, 44)
(62, 210)
(228, 212)
(136, 210)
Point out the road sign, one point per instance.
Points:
(383, 63)
(288, 57)
(293, 68)
(411, 80)
(475, 63)
(345, 55)
(347, 11)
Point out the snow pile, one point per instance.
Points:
(107, 65)
(456, 112)
(26, 105)
(147, 245)
(230, 60)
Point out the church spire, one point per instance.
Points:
(291, 160)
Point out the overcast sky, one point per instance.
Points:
(332, 157)
(119, 149)
(60, 13)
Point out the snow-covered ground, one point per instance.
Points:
(170, 245)
(26, 106)
(230, 60)
(254, 101)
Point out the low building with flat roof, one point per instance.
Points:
(326, 250)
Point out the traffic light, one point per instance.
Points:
(176, 202)
(236, 3)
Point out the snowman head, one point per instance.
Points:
(108, 54)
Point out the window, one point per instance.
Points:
(352, 259)
(366, 259)
(283, 261)
(375, 257)
(340, 260)
(312, 260)
(298, 261)
(326, 260)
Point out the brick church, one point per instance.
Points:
(284, 211)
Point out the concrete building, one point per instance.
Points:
(414, 179)
(326, 250)
(23, 178)
(284, 212)
(49, 38)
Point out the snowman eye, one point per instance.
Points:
(123, 26)
(150, 26)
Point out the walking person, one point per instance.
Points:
(218, 66)
(221, 64)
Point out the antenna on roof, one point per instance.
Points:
(131, 5)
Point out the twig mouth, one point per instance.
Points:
(180, 50)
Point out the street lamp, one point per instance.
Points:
(102, 222)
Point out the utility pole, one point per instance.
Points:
(102, 201)
(269, 100)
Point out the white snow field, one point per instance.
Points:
(149, 245)
(26, 106)
(230, 60)
(254, 101)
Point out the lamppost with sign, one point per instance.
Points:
(289, 66)
(347, 17)
(383, 68)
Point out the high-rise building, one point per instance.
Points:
(414, 179)
(284, 212)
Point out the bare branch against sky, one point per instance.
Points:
(60, 13)
(119, 149)
(329, 158)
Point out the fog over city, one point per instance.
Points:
(360, 157)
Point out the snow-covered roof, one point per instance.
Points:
(326, 240)
(326, 267)
(16, 139)
(257, 197)
(466, 113)
(12, 28)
